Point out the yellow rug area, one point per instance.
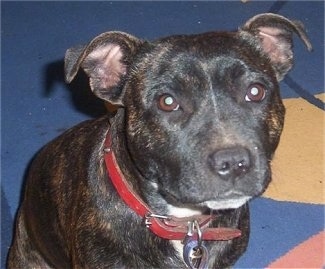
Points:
(298, 165)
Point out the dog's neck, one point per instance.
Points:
(168, 227)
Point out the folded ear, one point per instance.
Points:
(275, 36)
(106, 60)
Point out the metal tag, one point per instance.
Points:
(195, 254)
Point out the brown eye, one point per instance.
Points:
(255, 93)
(167, 103)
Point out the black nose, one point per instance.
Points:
(230, 162)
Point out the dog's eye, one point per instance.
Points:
(255, 93)
(167, 103)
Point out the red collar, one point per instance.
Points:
(167, 227)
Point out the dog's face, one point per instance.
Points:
(203, 115)
(202, 122)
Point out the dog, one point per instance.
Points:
(163, 181)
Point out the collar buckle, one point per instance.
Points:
(148, 216)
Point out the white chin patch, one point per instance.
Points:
(227, 204)
(182, 212)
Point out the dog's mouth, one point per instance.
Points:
(230, 199)
(208, 206)
(231, 203)
(226, 202)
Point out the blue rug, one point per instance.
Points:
(36, 104)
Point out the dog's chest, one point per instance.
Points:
(178, 246)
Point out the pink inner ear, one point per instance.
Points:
(278, 49)
(270, 31)
(107, 68)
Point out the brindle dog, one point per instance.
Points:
(198, 120)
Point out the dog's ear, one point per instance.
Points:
(106, 60)
(275, 36)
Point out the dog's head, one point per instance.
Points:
(203, 114)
